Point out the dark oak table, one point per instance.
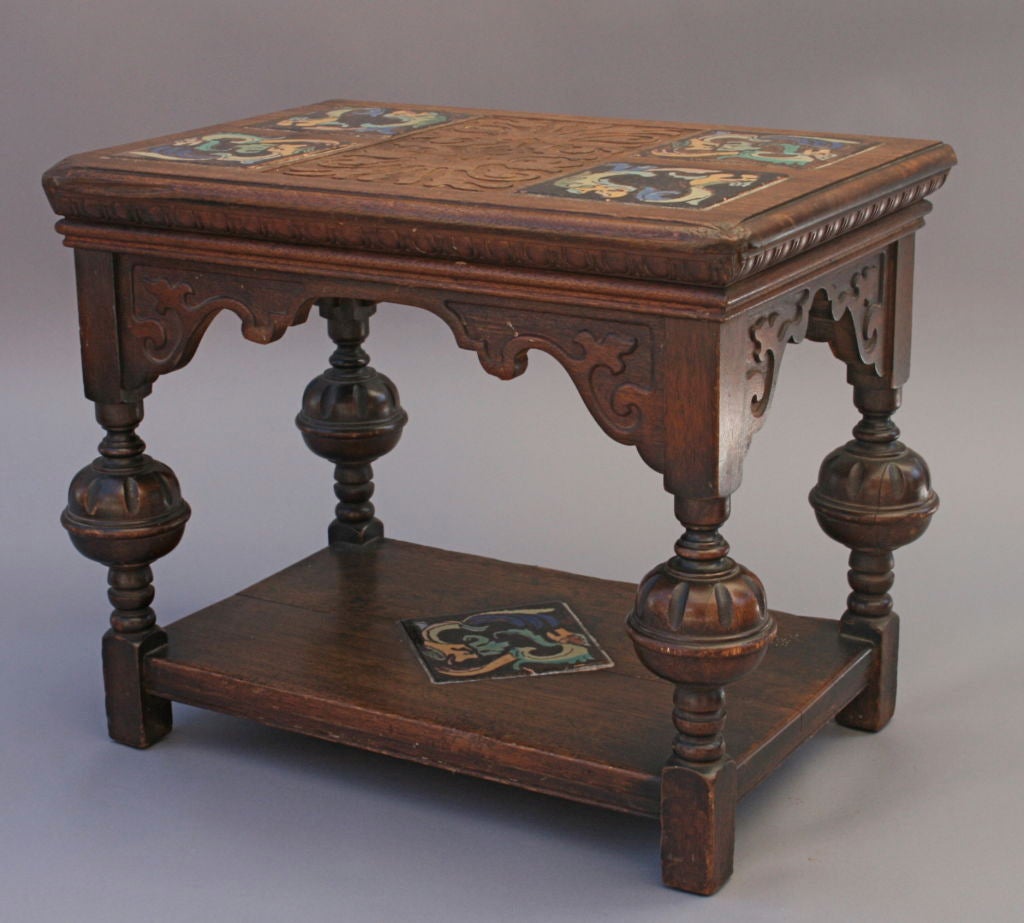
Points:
(667, 267)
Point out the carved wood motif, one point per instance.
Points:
(844, 308)
(171, 309)
(841, 224)
(635, 300)
(856, 310)
(493, 152)
(769, 334)
(612, 364)
(481, 245)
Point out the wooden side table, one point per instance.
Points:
(667, 267)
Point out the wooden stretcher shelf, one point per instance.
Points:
(318, 649)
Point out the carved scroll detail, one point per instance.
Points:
(494, 152)
(770, 333)
(612, 364)
(863, 340)
(170, 310)
(843, 308)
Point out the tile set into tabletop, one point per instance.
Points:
(666, 267)
(690, 204)
(698, 170)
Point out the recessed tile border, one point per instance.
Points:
(520, 641)
(655, 184)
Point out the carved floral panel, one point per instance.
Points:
(844, 308)
(170, 309)
(489, 152)
(611, 363)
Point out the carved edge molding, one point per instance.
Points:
(612, 364)
(169, 310)
(871, 211)
(473, 246)
(481, 246)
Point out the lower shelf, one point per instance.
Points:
(318, 649)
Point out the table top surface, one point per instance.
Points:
(703, 204)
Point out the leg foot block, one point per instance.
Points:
(134, 717)
(873, 708)
(698, 812)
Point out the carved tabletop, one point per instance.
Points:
(642, 200)
(666, 266)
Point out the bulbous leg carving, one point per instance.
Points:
(351, 415)
(124, 511)
(873, 495)
(701, 622)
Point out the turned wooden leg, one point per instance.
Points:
(351, 416)
(125, 510)
(873, 495)
(701, 622)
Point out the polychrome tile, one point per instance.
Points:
(229, 148)
(760, 147)
(503, 643)
(655, 184)
(364, 120)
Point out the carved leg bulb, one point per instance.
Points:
(351, 416)
(873, 495)
(125, 510)
(701, 622)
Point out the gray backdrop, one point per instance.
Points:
(229, 821)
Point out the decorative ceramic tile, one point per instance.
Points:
(231, 148)
(503, 643)
(766, 147)
(654, 184)
(365, 120)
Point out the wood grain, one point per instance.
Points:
(458, 192)
(317, 649)
(667, 268)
